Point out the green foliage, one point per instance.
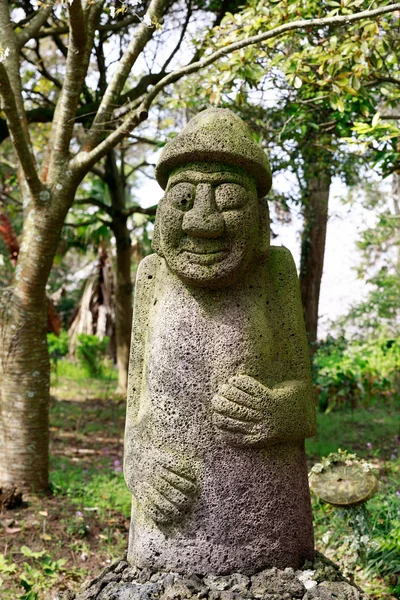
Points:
(383, 554)
(6, 566)
(40, 573)
(90, 352)
(43, 573)
(58, 346)
(347, 375)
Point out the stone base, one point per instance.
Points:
(122, 581)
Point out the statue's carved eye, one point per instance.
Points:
(230, 196)
(181, 196)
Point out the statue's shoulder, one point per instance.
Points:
(147, 269)
(283, 281)
(145, 279)
(281, 263)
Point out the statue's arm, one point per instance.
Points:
(280, 408)
(163, 486)
(292, 392)
(144, 293)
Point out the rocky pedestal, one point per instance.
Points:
(121, 581)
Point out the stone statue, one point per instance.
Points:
(220, 398)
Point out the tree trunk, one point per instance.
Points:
(123, 303)
(123, 286)
(313, 238)
(24, 361)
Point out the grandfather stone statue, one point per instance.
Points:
(220, 398)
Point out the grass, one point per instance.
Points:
(372, 432)
(57, 541)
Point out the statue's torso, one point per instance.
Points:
(252, 507)
(197, 341)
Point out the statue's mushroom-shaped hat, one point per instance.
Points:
(216, 135)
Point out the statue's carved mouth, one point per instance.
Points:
(203, 247)
(203, 256)
(204, 252)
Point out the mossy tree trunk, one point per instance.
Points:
(313, 237)
(24, 361)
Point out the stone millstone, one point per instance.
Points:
(121, 581)
(344, 485)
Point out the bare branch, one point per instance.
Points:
(42, 68)
(95, 202)
(90, 222)
(20, 138)
(386, 79)
(60, 45)
(109, 27)
(30, 30)
(137, 167)
(98, 172)
(147, 174)
(182, 35)
(150, 211)
(143, 140)
(85, 159)
(82, 29)
(142, 35)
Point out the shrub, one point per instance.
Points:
(90, 352)
(58, 346)
(349, 374)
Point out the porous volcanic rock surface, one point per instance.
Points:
(122, 581)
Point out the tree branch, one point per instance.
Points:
(82, 29)
(150, 211)
(257, 39)
(98, 172)
(20, 138)
(143, 140)
(90, 222)
(85, 159)
(30, 30)
(95, 202)
(109, 27)
(142, 36)
(182, 35)
(386, 79)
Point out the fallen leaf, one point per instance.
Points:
(13, 529)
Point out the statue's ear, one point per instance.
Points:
(265, 232)
(156, 241)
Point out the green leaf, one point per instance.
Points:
(31, 554)
(364, 47)
(334, 99)
(297, 82)
(376, 119)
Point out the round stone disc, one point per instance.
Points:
(344, 485)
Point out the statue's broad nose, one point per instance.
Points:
(203, 220)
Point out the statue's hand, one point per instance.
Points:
(241, 411)
(168, 494)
